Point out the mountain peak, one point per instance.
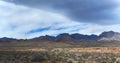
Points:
(110, 35)
(64, 37)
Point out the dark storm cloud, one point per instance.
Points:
(89, 11)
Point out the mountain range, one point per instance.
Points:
(108, 38)
(66, 37)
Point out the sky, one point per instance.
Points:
(34, 18)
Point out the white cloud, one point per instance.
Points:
(16, 21)
(97, 29)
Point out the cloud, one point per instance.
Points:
(87, 11)
(19, 21)
(97, 29)
(24, 22)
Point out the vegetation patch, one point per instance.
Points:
(56, 57)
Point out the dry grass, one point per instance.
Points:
(87, 49)
(97, 49)
(60, 55)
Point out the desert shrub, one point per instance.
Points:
(56, 57)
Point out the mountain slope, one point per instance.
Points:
(110, 36)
